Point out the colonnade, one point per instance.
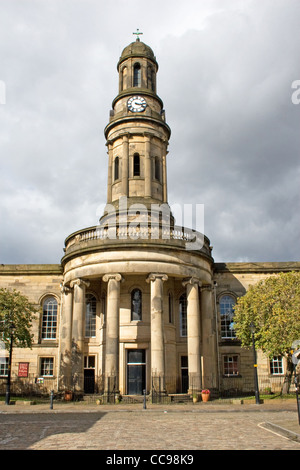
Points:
(200, 331)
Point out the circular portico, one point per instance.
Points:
(162, 269)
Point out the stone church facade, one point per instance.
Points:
(137, 303)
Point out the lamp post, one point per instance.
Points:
(257, 400)
(7, 395)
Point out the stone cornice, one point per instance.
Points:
(31, 269)
(259, 267)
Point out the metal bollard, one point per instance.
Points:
(51, 399)
(144, 405)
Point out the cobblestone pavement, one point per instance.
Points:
(132, 428)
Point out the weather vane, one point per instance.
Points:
(137, 34)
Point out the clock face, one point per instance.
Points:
(136, 104)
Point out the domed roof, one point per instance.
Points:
(137, 49)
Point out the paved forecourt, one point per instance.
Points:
(156, 428)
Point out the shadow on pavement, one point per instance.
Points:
(14, 428)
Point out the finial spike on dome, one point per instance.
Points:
(137, 34)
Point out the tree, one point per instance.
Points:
(16, 310)
(273, 306)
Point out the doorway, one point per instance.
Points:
(89, 374)
(136, 371)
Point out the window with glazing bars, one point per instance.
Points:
(90, 316)
(137, 75)
(49, 321)
(47, 366)
(226, 313)
(276, 365)
(183, 315)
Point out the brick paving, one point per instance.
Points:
(117, 427)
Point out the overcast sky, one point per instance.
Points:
(226, 69)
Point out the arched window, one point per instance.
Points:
(136, 165)
(49, 320)
(137, 75)
(90, 316)
(183, 315)
(227, 303)
(117, 168)
(136, 304)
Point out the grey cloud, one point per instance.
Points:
(225, 78)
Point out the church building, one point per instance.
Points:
(137, 302)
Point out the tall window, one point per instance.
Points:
(136, 304)
(183, 315)
(137, 75)
(226, 312)
(49, 320)
(116, 168)
(136, 165)
(90, 316)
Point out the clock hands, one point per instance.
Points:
(137, 104)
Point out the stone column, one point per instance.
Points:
(125, 163)
(157, 330)
(193, 332)
(112, 332)
(147, 170)
(209, 345)
(77, 357)
(66, 339)
(109, 173)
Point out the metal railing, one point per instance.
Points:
(159, 390)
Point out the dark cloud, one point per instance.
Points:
(225, 76)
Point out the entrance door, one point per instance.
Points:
(136, 371)
(89, 374)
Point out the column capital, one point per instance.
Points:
(113, 276)
(154, 276)
(79, 282)
(191, 280)
(64, 289)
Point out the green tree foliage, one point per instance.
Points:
(273, 307)
(16, 310)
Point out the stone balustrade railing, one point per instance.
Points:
(190, 239)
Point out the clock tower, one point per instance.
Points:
(148, 277)
(137, 134)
